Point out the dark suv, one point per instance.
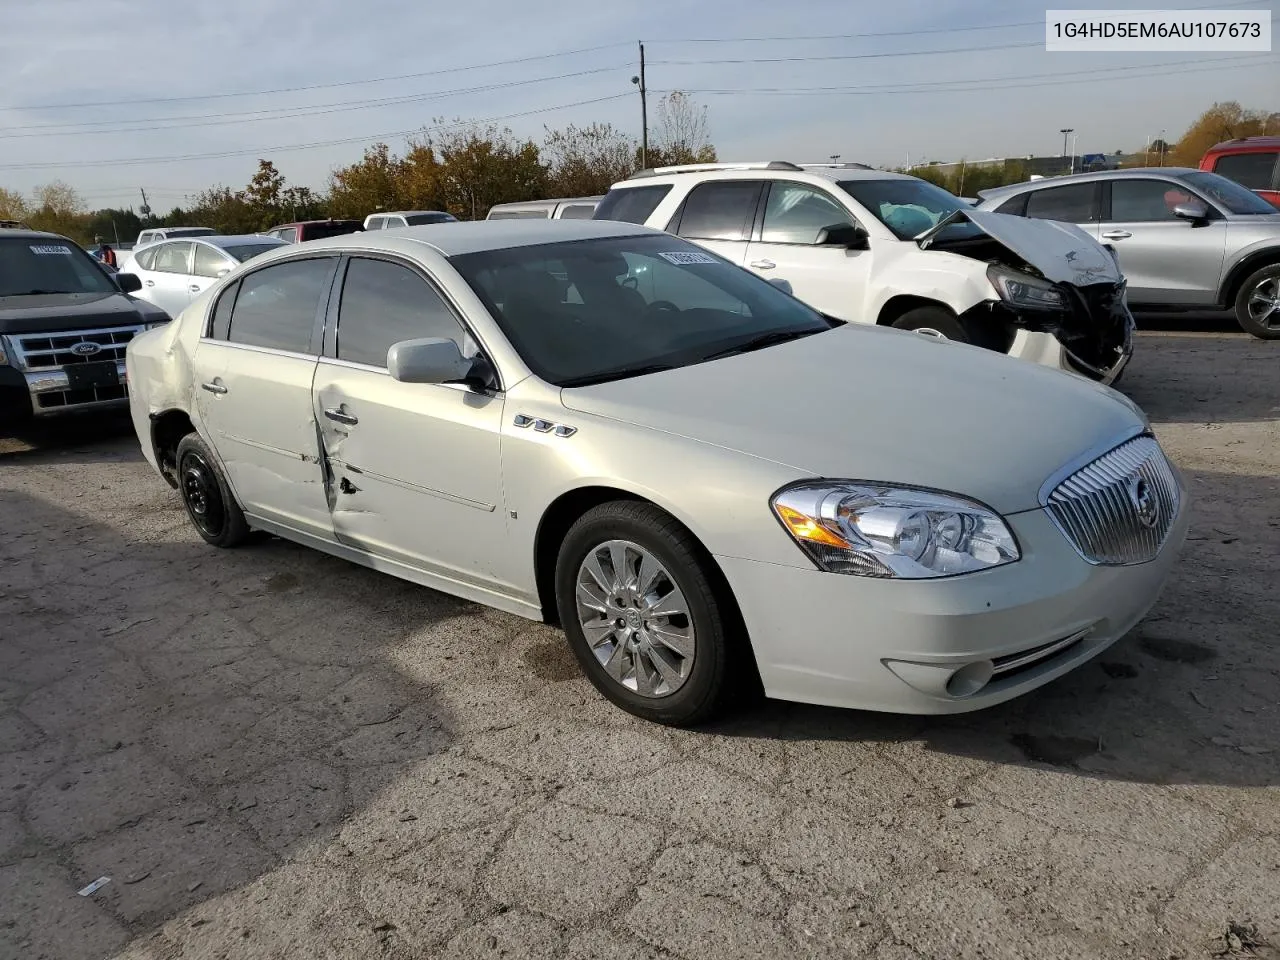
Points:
(64, 325)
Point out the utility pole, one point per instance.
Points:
(644, 112)
(1163, 147)
(1065, 131)
(145, 209)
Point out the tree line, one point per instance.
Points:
(464, 168)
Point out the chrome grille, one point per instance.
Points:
(50, 351)
(1118, 509)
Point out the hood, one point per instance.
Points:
(1062, 252)
(869, 403)
(54, 312)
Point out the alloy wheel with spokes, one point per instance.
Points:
(635, 618)
(1264, 303)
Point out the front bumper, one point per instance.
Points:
(1047, 350)
(41, 393)
(896, 645)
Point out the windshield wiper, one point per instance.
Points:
(760, 342)
(619, 374)
(34, 293)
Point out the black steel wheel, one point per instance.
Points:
(212, 509)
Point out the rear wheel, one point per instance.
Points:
(942, 323)
(1258, 303)
(643, 616)
(205, 493)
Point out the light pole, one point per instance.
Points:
(1163, 147)
(834, 157)
(644, 112)
(1065, 131)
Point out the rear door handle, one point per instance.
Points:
(763, 264)
(194, 288)
(1117, 235)
(341, 416)
(151, 283)
(214, 387)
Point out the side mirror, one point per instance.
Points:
(430, 360)
(846, 235)
(128, 282)
(1192, 210)
(783, 285)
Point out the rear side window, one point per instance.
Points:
(720, 211)
(221, 321)
(1253, 170)
(376, 223)
(631, 204)
(277, 305)
(210, 262)
(145, 258)
(173, 258)
(518, 215)
(1017, 206)
(384, 303)
(577, 211)
(1070, 203)
(418, 219)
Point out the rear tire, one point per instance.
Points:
(942, 323)
(207, 496)
(670, 668)
(1260, 290)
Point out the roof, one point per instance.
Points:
(771, 170)
(1246, 145)
(28, 234)
(218, 240)
(539, 204)
(1128, 173)
(406, 213)
(307, 223)
(475, 236)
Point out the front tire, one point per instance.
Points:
(638, 601)
(1258, 303)
(942, 323)
(206, 495)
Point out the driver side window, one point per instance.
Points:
(795, 213)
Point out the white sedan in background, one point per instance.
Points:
(707, 483)
(175, 272)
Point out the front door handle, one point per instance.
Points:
(194, 288)
(151, 283)
(1117, 235)
(763, 264)
(341, 416)
(214, 387)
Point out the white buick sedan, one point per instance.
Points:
(708, 484)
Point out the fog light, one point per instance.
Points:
(970, 678)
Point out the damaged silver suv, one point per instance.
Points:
(869, 246)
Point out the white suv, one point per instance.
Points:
(868, 246)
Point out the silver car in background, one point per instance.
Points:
(175, 272)
(1186, 239)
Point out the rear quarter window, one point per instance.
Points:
(631, 204)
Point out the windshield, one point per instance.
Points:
(247, 251)
(1227, 193)
(588, 311)
(30, 266)
(910, 207)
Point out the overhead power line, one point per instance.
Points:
(263, 151)
(280, 113)
(319, 86)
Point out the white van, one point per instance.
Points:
(576, 208)
(168, 233)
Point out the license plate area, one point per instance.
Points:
(82, 376)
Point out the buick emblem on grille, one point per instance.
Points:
(86, 348)
(1144, 501)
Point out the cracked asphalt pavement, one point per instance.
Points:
(272, 753)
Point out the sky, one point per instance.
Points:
(116, 95)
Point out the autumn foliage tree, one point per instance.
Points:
(586, 161)
(1222, 121)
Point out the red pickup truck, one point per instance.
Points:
(1253, 162)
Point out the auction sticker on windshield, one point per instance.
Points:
(688, 256)
(46, 250)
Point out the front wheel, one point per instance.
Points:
(642, 613)
(1258, 303)
(942, 323)
(205, 493)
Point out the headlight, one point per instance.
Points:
(878, 530)
(1024, 290)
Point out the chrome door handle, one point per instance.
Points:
(151, 283)
(214, 387)
(763, 264)
(341, 416)
(1117, 235)
(193, 288)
